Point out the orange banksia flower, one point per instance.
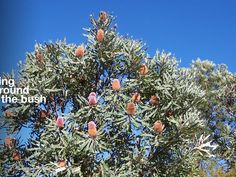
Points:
(136, 97)
(158, 126)
(92, 132)
(116, 84)
(130, 109)
(102, 16)
(100, 35)
(92, 129)
(79, 52)
(154, 100)
(60, 122)
(10, 142)
(42, 114)
(8, 114)
(16, 156)
(143, 70)
(39, 56)
(61, 163)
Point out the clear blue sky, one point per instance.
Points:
(187, 28)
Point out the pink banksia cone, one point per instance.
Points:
(116, 85)
(61, 163)
(92, 99)
(92, 129)
(79, 52)
(100, 35)
(60, 122)
(158, 126)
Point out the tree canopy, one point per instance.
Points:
(112, 110)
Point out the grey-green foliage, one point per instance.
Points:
(125, 145)
(219, 112)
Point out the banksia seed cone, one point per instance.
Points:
(61, 163)
(169, 113)
(158, 126)
(79, 52)
(8, 114)
(116, 84)
(136, 97)
(60, 122)
(37, 125)
(92, 99)
(154, 100)
(16, 156)
(9, 142)
(100, 35)
(42, 114)
(143, 70)
(130, 109)
(39, 56)
(102, 16)
(82, 79)
(92, 129)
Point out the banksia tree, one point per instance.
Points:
(111, 111)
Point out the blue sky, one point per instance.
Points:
(187, 28)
